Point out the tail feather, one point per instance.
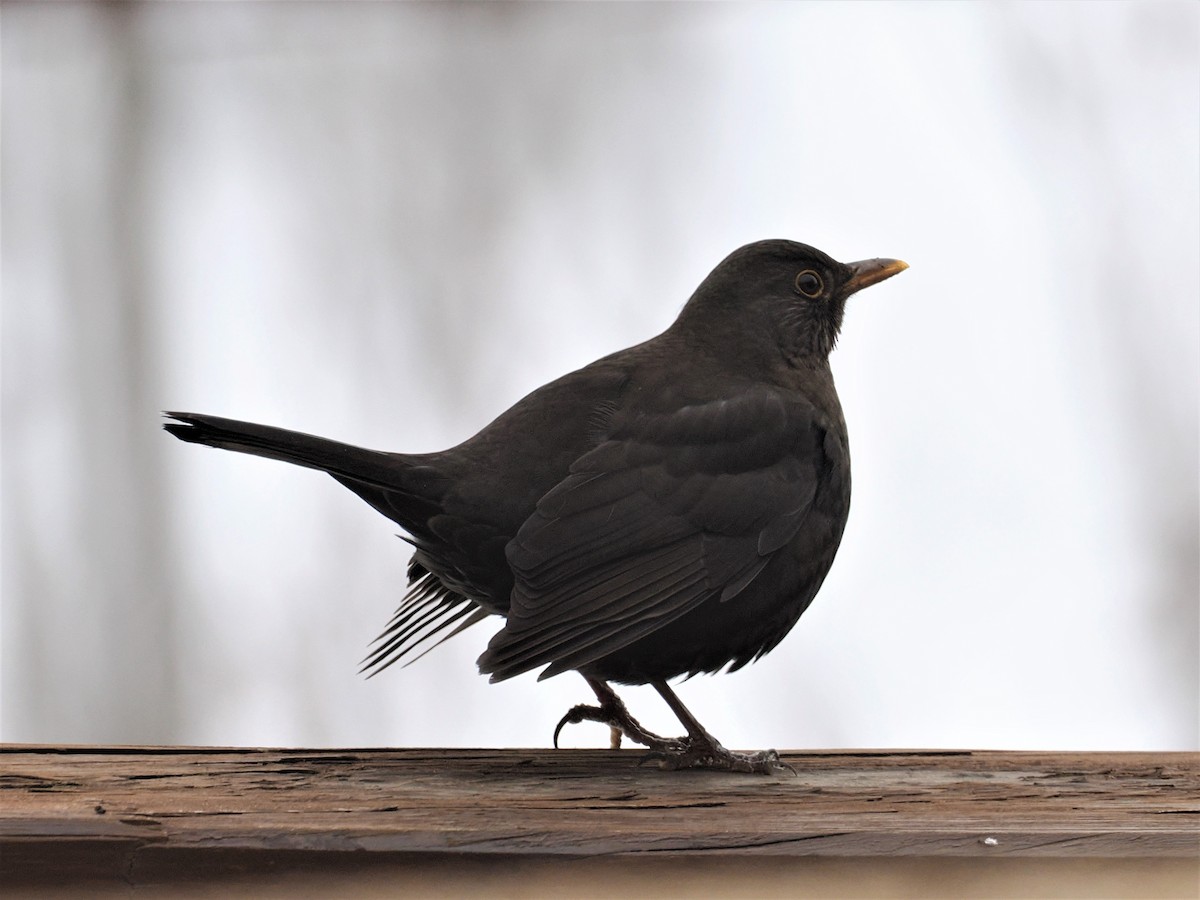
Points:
(404, 488)
(370, 467)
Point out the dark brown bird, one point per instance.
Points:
(670, 509)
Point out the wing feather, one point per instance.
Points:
(667, 592)
(671, 509)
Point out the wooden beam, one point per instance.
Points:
(97, 811)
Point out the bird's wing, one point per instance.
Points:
(673, 508)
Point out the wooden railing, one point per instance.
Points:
(135, 815)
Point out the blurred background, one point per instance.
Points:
(385, 223)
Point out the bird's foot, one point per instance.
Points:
(613, 713)
(699, 750)
(707, 753)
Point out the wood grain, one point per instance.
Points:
(103, 806)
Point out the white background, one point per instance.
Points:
(386, 223)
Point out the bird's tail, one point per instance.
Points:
(345, 462)
(405, 488)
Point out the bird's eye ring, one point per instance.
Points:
(809, 283)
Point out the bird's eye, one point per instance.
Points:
(809, 283)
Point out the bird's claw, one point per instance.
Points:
(622, 723)
(705, 755)
(577, 714)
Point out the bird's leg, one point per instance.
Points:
(703, 751)
(612, 712)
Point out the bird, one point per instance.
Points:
(668, 510)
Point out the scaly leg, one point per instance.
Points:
(613, 713)
(703, 751)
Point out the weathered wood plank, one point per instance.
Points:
(121, 802)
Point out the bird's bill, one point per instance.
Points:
(872, 271)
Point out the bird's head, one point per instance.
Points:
(779, 295)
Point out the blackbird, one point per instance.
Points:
(670, 509)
